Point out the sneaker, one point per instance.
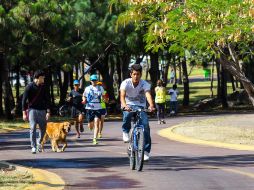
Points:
(159, 122)
(164, 122)
(33, 151)
(126, 137)
(146, 156)
(78, 136)
(39, 148)
(95, 141)
(99, 135)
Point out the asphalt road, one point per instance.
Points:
(173, 165)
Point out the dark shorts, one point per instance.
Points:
(75, 112)
(103, 111)
(90, 115)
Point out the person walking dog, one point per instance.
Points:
(37, 97)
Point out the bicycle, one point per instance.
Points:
(65, 109)
(136, 145)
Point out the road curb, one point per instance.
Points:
(169, 133)
(43, 179)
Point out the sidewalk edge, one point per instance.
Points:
(168, 133)
(43, 179)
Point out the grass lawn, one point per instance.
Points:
(19, 124)
(6, 126)
(11, 179)
(199, 90)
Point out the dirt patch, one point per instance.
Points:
(230, 129)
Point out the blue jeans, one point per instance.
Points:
(143, 121)
(37, 117)
(174, 106)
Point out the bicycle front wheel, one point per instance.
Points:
(131, 154)
(139, 154)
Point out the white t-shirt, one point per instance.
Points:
(93, 96)
(135, 95)
(173, 95)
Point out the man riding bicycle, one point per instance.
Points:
(133, 95)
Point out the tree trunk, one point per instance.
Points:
(108, 81)
(154, 71)
(218, 78)
(223, 93)
(232, 82)
(51, 86)
(63, 87)
(180, 81)
(125, 66)
(17, 83)
(1, 97)
(71, 79)
(186, 97)
(238, 73)
(174, 66)
(8, 98)
(165, 77)
(212, 79)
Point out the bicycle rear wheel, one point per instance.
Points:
(139, 154)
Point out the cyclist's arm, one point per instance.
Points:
(122, 98)
(123, 101)
(150, 100)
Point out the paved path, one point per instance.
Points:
(173, 165)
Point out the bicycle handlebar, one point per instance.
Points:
(138, 110)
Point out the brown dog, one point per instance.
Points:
(57, 132)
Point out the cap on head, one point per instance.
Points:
(38, 73)
(93, 78)
(75, 82)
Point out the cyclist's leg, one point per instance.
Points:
(144, 121)
(126, 121)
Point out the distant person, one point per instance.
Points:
(160, 100)
(172, 76)
(173, 92)
(37, 97)
(77, 109)
(92, 98)
(103, 110)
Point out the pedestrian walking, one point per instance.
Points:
(77, 108)
(36, 108)
(92, 98)
(160, 100)
(173, 100)
(172, 76)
